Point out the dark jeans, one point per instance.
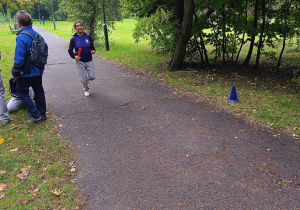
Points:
(23, 84)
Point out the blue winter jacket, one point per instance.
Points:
(22, 66)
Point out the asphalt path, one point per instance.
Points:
(142, 145)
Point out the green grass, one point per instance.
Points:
(37, 146)
(63, 28)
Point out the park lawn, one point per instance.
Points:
(264, 99)
(35, 161)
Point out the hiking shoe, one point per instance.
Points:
(34, 120)
(6, 122)
(44, 117)
(86, 93)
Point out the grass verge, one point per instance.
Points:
(36, 163)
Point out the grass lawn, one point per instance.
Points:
(36, 163)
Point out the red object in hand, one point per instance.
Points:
(79, 52)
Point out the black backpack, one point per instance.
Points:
(39, 49)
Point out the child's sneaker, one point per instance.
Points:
(86, 93)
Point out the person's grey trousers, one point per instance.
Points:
(3, 108)
(86, 72)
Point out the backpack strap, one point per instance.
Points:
(28, 33)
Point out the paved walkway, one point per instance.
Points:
(175, 153)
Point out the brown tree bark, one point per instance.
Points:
(284, 38)
(185, 35)
(247, 60)
(260, 42)
(243, 39)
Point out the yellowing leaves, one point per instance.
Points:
(1, 140)
(35, 192)
(57, 192)
(2, 187)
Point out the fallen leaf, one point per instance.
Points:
(35, 192)
(14, 150)
(295, 128)
(73, 180)
(56, 192)
(2, 186)
(2, 172)
(1, 140)
(24, 202)
(24, 173)
(45, 169)
(73, 169)
(187, 155)
(2, 196)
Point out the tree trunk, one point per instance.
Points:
(243, 39)
(179, 10)
(202, 41)
(204, 49)
(184, 37)
(282, 50)
(260, 43)
(247, 60)
(4, 7)
(284, 36)
(223, 34)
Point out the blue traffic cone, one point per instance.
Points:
(233, 97)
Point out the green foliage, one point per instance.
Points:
(90, 12)
(157, 27)
(221, 24)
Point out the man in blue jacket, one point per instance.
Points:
(27, 74)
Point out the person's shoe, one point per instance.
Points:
(86, 93)
(44, 117)
(34, 120)
(5, 123)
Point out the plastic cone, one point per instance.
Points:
(233, 97)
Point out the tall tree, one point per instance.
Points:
(185, 35)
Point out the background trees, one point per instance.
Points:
(12, 6)
(91, 13)
(205, 31)
(224, 27)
